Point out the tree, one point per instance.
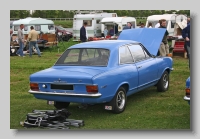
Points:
(19, 13)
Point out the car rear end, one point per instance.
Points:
(68, 85)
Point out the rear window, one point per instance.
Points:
(84, 57)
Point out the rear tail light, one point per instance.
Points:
(187, 91)
(92, 89)
(34, 86)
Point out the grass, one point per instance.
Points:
(147, 109)
(65, 23)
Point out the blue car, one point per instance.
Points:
(187, 91)
(105, 72)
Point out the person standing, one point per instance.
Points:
(150, 25)
(83, 33)
(105, 32)
(164, 47)
(158, 24)
(142, 25)
(186, 36)
(185, 44)
(128, 26)
(32, 37)
(20, 37)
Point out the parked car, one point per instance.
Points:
(187, 91)
(106, 71)
(62, 31)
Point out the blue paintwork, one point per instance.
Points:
(187, 84)
(150, 37)
(108, 78)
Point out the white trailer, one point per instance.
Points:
(40, 24)
(170, 18)
(93, 19)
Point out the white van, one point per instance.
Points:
(118, 23)
(93, 19)
(40, 24)
(170, 18)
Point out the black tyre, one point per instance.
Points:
(163, 83)
(118, 103)
(61, 105)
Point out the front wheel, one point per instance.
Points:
(119, 101)
(163, 83)
(61, 105)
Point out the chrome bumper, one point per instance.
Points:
(65, 94)
(186, 98)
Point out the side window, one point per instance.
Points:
(51, 27)
(137, 52)
(25, 28)
(37, 27)
(89, 22)
(16, 28)
(97, 21)
(145, 52)
(125, 55)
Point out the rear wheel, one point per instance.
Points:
(61, 105)
(163, 83)
(119, 101)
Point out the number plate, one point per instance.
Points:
(50, 102)
(108, 107)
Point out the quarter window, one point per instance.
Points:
(125, 55)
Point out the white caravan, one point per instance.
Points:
(40, 24)
(170, 18)
(117, 23)
(93, 19)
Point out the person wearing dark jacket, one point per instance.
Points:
(186, 36)
(164, 47)
(185, 44)
(83, 36)
(128, 26)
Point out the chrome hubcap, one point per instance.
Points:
(165, 81)
(120, 100)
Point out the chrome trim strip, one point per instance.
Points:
(65, 94)
(186, 98)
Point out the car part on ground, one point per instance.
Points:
(50, 119)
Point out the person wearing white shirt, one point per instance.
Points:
(158, 24)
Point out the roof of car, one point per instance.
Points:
(105, 44)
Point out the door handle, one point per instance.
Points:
(139, 67)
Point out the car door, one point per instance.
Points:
(126, 64)
(146, 66)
